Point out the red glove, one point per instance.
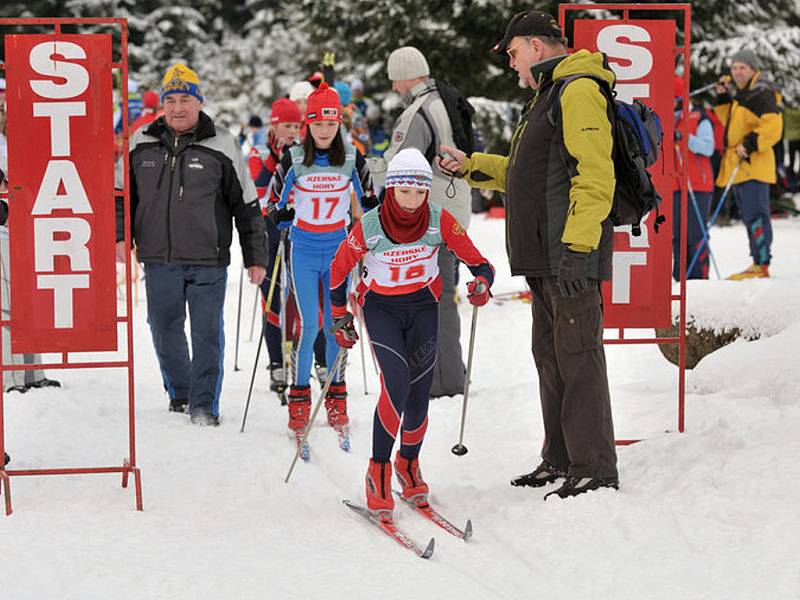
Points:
(478, 291)
(344, 331)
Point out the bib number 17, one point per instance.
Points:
(331, 201)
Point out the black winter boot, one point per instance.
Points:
(179, 405)
(542, 475)
(573, 486)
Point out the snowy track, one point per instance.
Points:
(711, 513)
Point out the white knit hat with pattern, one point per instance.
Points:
(407, 63)
(408, 168)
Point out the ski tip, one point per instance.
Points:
(428, 552)
(468, 530)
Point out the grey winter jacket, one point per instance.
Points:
(424, 125)
(184, 193)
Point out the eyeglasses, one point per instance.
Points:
(512, 52)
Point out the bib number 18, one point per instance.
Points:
(412, 272)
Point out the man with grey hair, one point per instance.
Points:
(189, 184)
(425, 125)
(559, 182)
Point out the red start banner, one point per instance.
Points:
(61, 193)
(642, 55)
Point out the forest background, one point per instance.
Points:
(249, 53)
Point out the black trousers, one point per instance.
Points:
(573, 382)
(403, 337)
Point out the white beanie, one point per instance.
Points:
(407, 63)
(408, 168)
(300, 91)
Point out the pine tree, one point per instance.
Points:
(771, 29)
(455, 38)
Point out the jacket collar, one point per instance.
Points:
(543, 70)
(422, 88)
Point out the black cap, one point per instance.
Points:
(255, 121)
(529, 23)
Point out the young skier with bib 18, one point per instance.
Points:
(319, 176)
(400, 289)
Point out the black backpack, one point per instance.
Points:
(459, 112)
(637, 142)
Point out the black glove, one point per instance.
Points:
(572, 273)
(281, 215)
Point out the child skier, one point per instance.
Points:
(285, 122)
(400, 292)
(319, 175)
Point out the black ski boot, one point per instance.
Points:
(44, 382)
(203, 418)
(542, 475)
(574, 486)
(321, 373)
(179, 405)
(277, 378)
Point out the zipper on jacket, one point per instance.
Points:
(163, 168)
(180, 178)
(169, 207)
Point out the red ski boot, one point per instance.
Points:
(410, 477)
(336, 405)
(299, 413)
(299, 407)
(379, 489)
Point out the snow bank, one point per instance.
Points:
(766, 367)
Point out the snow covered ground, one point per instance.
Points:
(711, 513)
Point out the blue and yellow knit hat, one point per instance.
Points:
(180, 79)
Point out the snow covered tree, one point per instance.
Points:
(455, 38)
(771, 29)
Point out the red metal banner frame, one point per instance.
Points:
(680, 340)
(129, 467)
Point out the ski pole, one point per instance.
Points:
(700, 219)
(331, 374)
(285, 350)
(238, 320)
(261, 337)
(360, 315)
(253, 318)
(705, 88)
(713, 219)
(703, 227)
(460, 449)
(363, 356)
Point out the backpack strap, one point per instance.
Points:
(558, 89)
(430, 151)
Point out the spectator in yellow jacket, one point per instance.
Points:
(753, 126)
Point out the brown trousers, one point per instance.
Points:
(573, 382)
